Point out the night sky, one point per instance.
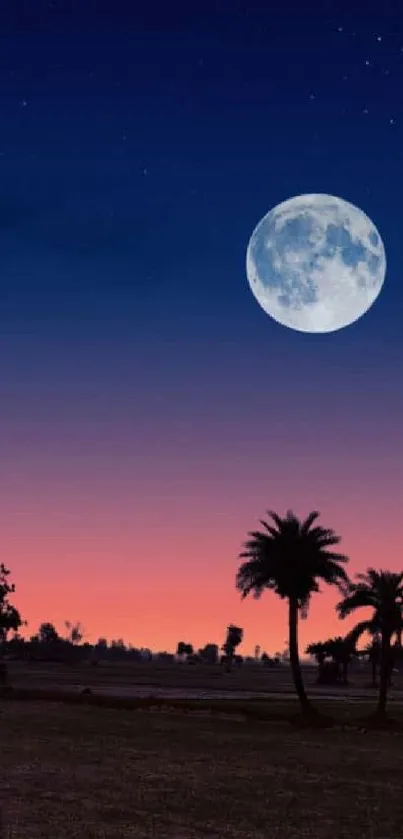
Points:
(150, 410)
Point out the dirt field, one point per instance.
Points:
(88, 773)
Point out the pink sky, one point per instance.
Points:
(153, 560)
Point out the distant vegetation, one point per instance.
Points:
(289, 557)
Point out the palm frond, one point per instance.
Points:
(307, 524)
(357, 599)
(290, 557)
(272, 530)
(277, 519)
(322, 533)
(358, 630)
(382, 591)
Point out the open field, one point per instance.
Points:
(70, 772)
(175, 767)
(186, 681)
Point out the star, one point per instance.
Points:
(24, 103)
(391, 121)
(379, 37)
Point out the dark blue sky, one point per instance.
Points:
(139, 149)
(140, 143)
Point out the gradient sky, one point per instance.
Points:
(150, 411)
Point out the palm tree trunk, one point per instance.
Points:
(294, 655)
(391, 663)
(384, 674)
(373, 667)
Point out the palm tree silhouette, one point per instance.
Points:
(233, 639)
(382, 591)
(339, 650)
(373, 650)
(342, 651)
(289, 558)
(318, 649)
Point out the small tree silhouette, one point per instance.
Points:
(232, 641)
(10, 618)
(184, 649)
(75, 632)
(319, 651)
(47, 634)
(209, 653)
(340, 651)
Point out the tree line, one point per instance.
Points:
(289, 557)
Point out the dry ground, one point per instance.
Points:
(71, 772)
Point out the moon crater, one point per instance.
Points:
(315, 263)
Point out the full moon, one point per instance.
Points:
(315, 263)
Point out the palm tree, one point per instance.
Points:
(373, 649)
(382, 591)
(373, 652)
(374, 656)
(289, 558)
(341, 651)
(232, 641)
(318, 650)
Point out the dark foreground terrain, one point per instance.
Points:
(71, 772)
(229, 767)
